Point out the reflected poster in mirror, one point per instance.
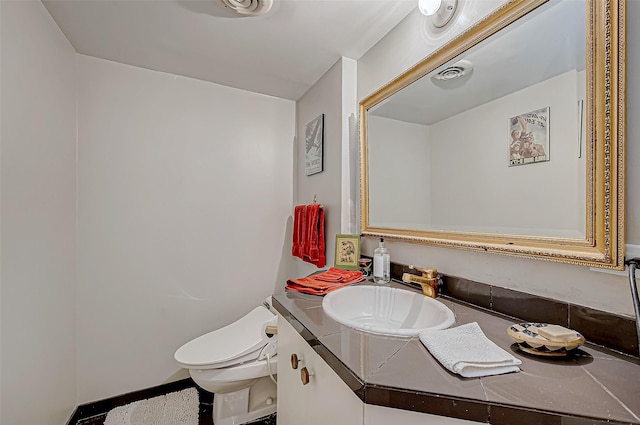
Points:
(529, 137)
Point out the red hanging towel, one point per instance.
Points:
(298, 226)
(321, 261)
(308, 234)
(313, 215)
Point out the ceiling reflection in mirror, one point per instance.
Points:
(508, 139)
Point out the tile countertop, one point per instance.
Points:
(593, 385)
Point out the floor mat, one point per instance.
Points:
(178, 408)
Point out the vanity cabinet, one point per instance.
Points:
(399, 382)
(325, 399)
(312, 393)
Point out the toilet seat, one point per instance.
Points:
(249, 370)
(236, 343)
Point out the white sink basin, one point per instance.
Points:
(386, 311)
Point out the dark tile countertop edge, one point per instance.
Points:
(430, 402)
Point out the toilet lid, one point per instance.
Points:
(230, 342)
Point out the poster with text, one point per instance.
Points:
(529, 137)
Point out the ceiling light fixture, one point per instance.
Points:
(244, 8)
(441, 11)
(429, 7)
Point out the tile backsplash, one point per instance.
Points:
(598, 327)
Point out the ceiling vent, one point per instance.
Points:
(457, 70)
(244, 8)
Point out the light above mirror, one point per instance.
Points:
(440, 11)
(508, 139)
(429, 7)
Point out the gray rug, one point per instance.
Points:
(178, 408)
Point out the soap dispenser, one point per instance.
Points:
(381, 264)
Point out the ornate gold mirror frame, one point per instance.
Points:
(603, 246)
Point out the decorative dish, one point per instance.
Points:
(527, 336)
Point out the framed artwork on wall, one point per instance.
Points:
(529, 137)
(314, 144)
(347, 252)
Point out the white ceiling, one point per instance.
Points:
(282, 53)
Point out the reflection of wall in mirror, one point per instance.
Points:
(472, 154)
(470, 186)
(400, 196)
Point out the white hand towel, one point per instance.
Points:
(465, 350)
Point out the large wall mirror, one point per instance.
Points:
(508, 139)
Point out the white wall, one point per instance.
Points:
(37, 217)
(185, 192)
(350, 147)
(404, 179)
(326, 97)
(412, 40)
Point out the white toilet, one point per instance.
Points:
(237, 363)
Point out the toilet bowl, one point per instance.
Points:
(238, 364)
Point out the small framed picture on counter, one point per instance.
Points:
(347, 252)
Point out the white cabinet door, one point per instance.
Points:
(324, 400)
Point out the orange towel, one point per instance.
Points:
(323, 283)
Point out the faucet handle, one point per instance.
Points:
(428, 273)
